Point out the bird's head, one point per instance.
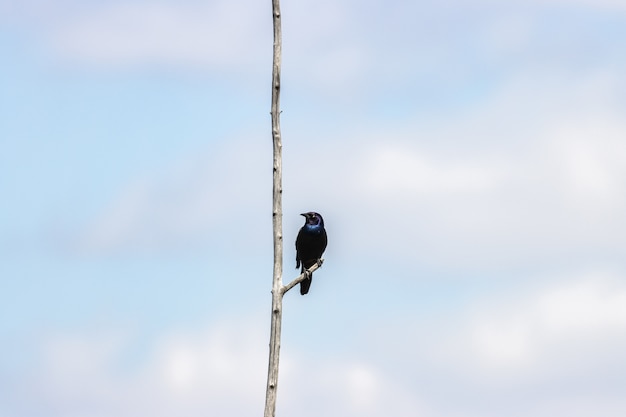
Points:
(313, 219)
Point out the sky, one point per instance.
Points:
(467, 158)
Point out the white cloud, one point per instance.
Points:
(529, 184)
(590, 156)
(523, 350)
(512, 180)
(564, 328)
(608, 5)
(222, 35)
(388, 169)
(529, 352)
(218, 371)
(342, 49)
(342, 387)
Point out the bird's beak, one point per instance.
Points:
(305, 214)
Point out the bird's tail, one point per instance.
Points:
(306, 284)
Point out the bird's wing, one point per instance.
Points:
(299, 239)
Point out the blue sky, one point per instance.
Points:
(467, 159)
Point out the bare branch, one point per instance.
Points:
(302, 276)
(277, 222)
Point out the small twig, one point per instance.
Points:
(306, 274)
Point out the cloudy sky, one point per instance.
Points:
(467, 157)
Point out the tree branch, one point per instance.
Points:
(277, 222)
(302, 277)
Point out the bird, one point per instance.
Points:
(310, 245)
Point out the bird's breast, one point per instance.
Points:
(314, 229)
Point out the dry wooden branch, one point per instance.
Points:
(302, 276)
(277, 221)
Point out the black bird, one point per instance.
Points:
(310, 245)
